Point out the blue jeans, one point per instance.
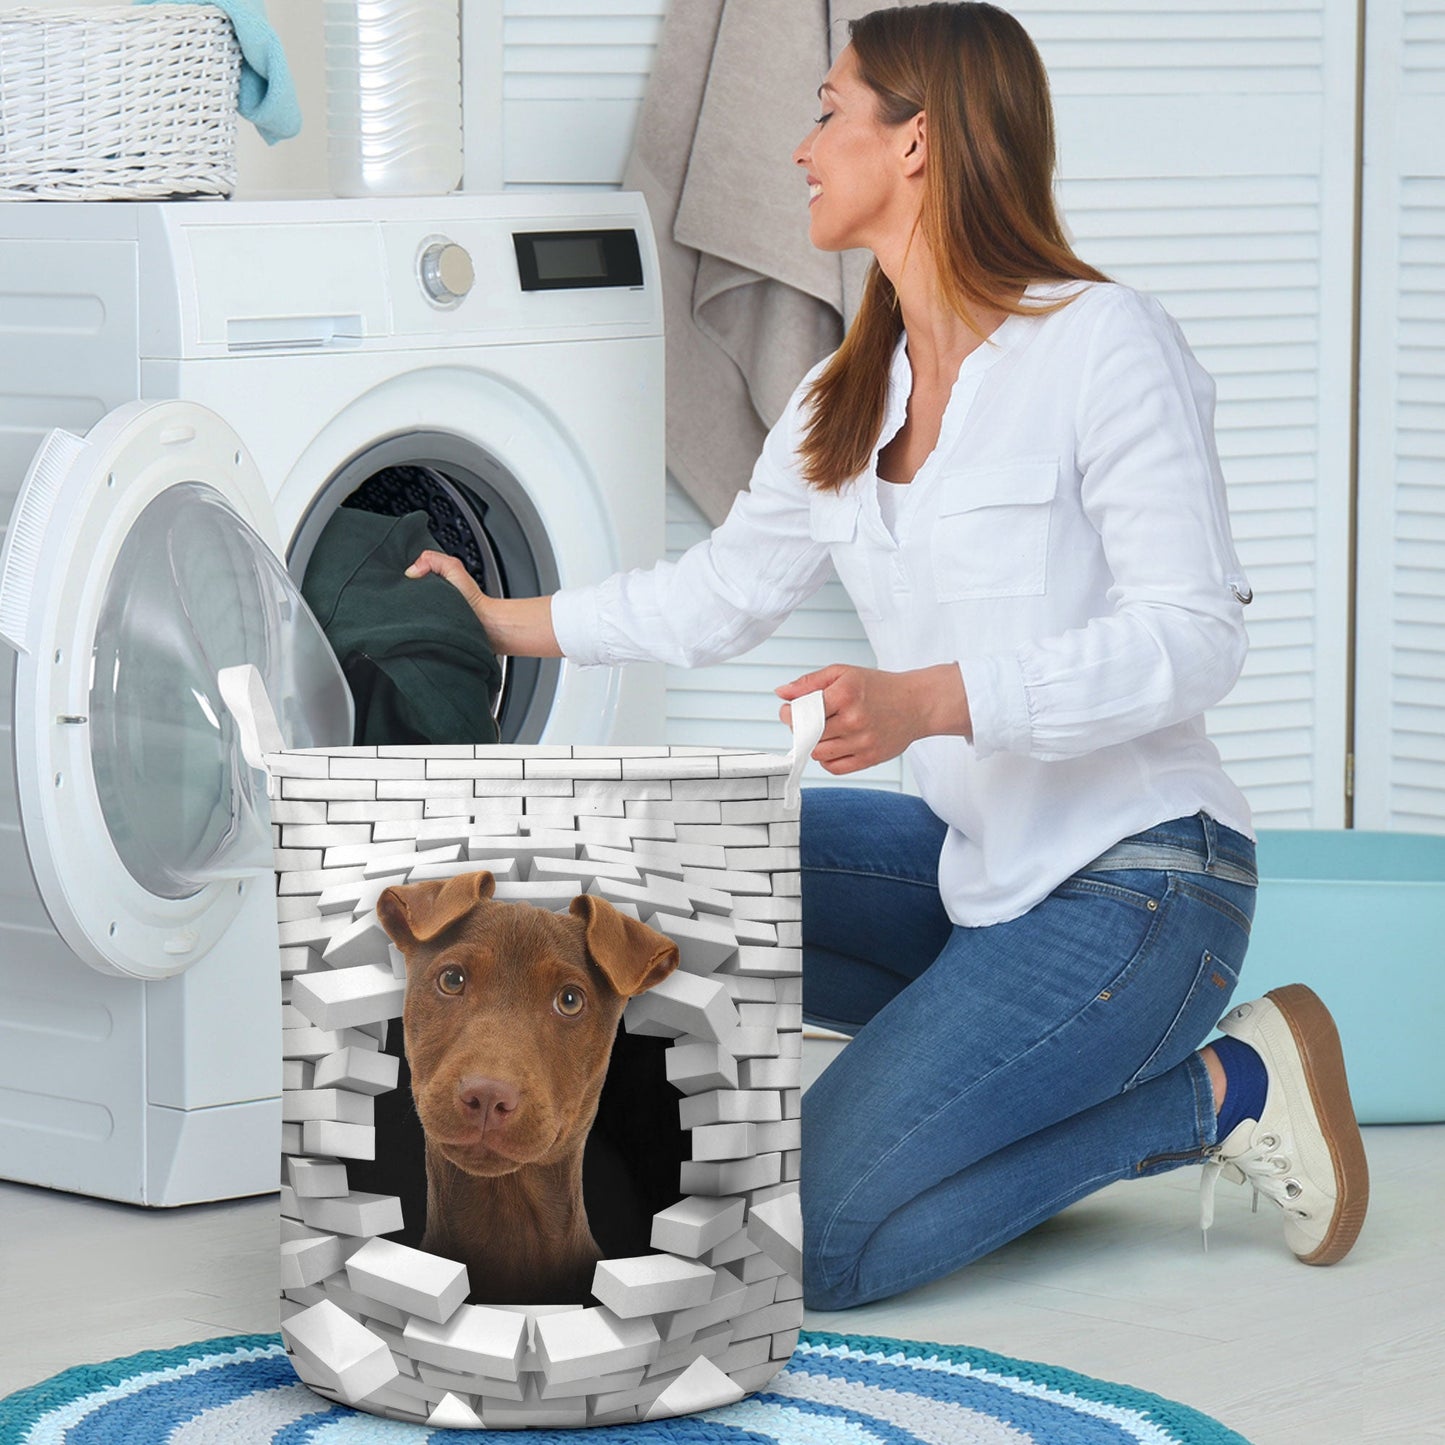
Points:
(998, 1074)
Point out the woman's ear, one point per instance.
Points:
(915, 144)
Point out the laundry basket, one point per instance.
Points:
(698, 844)
(117, 103)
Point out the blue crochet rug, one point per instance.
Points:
(837, 1390)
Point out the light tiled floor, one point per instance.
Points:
(1117, 1287)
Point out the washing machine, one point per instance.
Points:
(188, 392)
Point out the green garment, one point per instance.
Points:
(417, 661)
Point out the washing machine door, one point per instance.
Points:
(141, 560)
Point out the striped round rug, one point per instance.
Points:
(836, 1390)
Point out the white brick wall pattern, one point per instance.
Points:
(700, 845)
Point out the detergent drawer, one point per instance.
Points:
(480, 947)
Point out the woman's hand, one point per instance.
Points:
(443, 564)
(872, 716)
(515, 626)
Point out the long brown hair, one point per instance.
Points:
(988, 212)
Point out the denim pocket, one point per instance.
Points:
(1103, 885)
(1234, 900)
(1206, 1001)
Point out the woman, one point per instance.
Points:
(1010, 464)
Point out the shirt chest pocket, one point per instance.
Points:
(992, 534)
(833, 521)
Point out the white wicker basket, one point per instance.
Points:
(117, 104)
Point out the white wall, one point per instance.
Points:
(297, 166)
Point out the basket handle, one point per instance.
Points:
(808, 720)
(244, 693)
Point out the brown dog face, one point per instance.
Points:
(510, 1015)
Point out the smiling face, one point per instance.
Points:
(862, 174)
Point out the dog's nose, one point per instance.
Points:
(488, 1103)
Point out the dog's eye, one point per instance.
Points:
(570, 1002)
(451, 980)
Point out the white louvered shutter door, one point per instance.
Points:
(573, 73)
(1206, 156)
(1400, 599)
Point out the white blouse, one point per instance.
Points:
(1066, 544)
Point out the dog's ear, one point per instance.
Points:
(633, 956)
(413, 913)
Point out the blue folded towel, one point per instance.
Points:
(268, 94)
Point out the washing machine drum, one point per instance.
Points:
(477, 512)
(453, 516)
(419, 667)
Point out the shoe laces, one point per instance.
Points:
(1263, 1167)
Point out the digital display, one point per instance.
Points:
(563, 260)
(570, 258)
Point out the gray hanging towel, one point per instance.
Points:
(749, 304)
(419, 665)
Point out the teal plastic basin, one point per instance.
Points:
(1360, 918)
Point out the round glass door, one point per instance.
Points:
(194, 590)
(142, 560)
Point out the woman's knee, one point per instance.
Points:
(870, 889)
(820, 1292)
(834, 1238)
(848, 828)
(831, 1258)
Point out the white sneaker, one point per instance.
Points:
(1306, 1153)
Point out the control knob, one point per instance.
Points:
(447, 274)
